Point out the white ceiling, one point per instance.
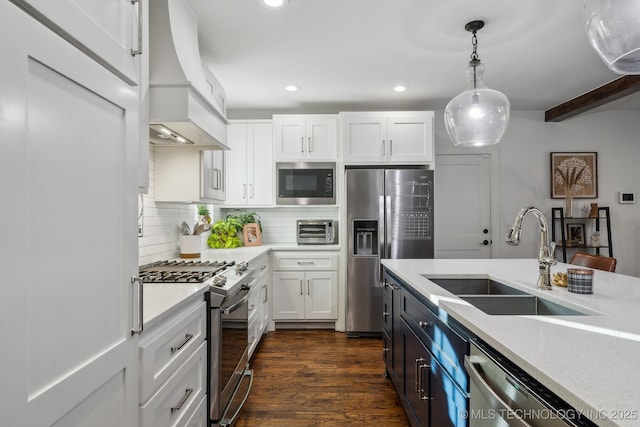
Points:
(347, 55)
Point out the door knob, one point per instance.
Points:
(485, 231)
(485, 242)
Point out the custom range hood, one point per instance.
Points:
(186, 102)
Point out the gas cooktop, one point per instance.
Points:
(223, 277)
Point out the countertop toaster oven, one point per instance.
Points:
(317, 232)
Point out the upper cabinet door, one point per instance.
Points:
(289, 138)
(260, 171)
(410, 137)
(364, 137)
(109, 31)
(322, 138)
(305, 137)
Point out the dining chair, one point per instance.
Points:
(594, 261)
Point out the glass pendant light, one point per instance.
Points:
(613, 29)
(479, 115)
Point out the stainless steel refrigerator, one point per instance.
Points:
(389, 215)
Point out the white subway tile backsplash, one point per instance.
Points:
(279, 223)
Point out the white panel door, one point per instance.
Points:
(288, 295)
(106, 30)
(321, 295)
(463, 206)
(68, 161)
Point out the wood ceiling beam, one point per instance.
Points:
(616, 89)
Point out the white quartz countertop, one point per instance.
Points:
(160, 300)
(591, 361)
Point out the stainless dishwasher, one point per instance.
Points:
(501, 394)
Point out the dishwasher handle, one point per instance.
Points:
(492, 397)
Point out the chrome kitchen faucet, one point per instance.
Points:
(545, 255)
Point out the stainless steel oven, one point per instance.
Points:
(305, 183)
(229, 376)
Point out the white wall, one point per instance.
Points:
(524, 177)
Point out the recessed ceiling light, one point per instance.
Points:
(292, 88)
(274, 4)
(401, 88)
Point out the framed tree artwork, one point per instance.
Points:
(574, 175)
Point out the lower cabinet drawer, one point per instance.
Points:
(176, 402)
(301, 260)
(200, 417)
(163, 351)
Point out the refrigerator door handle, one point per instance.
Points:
(381, 227)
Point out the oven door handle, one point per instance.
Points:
(234, 307)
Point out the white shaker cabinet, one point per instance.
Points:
(173, 369)
(109, 31)
(188, 176)
(249, 170)
(305, 286)
(115, 34)
(387, 137)
(305, 137)
(70, 153)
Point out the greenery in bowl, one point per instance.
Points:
(227, 232)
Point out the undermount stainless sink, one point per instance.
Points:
(513, 305)
(474, 286)
(497, 298)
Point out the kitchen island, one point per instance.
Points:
(591, 361)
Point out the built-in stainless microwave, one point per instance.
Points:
(305, 183)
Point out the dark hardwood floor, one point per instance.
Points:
(320, 377)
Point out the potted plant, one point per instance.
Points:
(227, 233)
(204, 213)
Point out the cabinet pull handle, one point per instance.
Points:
(212, 179)
(310, 145)
(184, 399)
(244, 191)
(138, 51)
(252, 191)
(383, 141)
(140, 327)
(385, 314)
(308, 286)
(391, 147)
(302, 144)
(418, 381)
(301, 287)
(424, 325)
(306, 262)
(422, 394)
(187, 338)
(265, 294)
